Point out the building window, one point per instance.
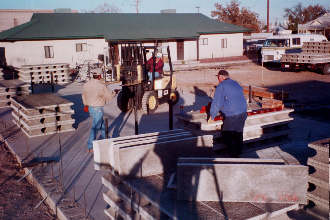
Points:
(81, 47)
(49, 51)
(203, 41)
(296, 41)
(224, 43)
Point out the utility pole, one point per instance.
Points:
(197, 9)
(137, 6)
(267, 16)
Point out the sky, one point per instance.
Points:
(154, 6)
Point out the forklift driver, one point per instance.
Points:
(158, 66)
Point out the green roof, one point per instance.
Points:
(117, 26)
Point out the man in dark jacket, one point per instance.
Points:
(229, 100)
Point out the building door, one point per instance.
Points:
(2, 57)
(180, 49)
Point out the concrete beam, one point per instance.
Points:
(150, 156)
(241, 182)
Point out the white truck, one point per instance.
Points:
(314, 56)
(274, 47)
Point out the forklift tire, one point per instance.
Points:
(149, 102)
(174, 97)
(326, 69)
(123, 102)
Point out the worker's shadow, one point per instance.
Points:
(118, 124)
(202, 98)
(164, 154)
(78, 107)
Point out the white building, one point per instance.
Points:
(79, 37)
(320, 25)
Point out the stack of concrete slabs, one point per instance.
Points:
(241, 180)
(318, 192)
(11, 88)
(150, 198)
(261, 126)
(150, 153)
(42, 114)
(42, 74)
(1, 74)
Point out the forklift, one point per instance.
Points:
(138, 91)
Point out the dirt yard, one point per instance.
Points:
(304, 87)
(18, 198)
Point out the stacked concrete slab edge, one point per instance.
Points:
(42, 114)
(42, 73)
(141, 181)
(319, 188)
(11, 88)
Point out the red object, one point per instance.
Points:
(86, 108)
(218, 118)
(158, 67)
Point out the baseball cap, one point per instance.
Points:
(223, 73)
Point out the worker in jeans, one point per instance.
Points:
(95, 95)
(229, 100)
(159, 64)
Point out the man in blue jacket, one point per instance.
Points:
(229, 100)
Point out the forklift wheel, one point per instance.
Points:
(123, 102)
(149, 102)
(174, 97)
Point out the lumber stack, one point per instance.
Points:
(45, 73)
(11, 88)
(318, 192)
(265, 93)
(312, 53)
(42, 114)
(144, 154)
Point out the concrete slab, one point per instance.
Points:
(164, 200)
(219, 180)
(104, 149)
(159, 157)
(13, 86)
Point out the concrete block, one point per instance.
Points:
(45, 130)
(5, 104)
(259, 182)
(42, 104)
(43, 120)
(153, 190)
(321, 148)
(151, 159)
(151, 154)
(103, 148)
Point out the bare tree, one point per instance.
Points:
(105, 8)
(233, 14)
(300, 15)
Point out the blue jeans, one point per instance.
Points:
(98, 124)
(150, 75)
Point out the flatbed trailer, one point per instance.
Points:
(314, 56)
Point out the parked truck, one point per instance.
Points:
(314, 56)
(276, 46)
